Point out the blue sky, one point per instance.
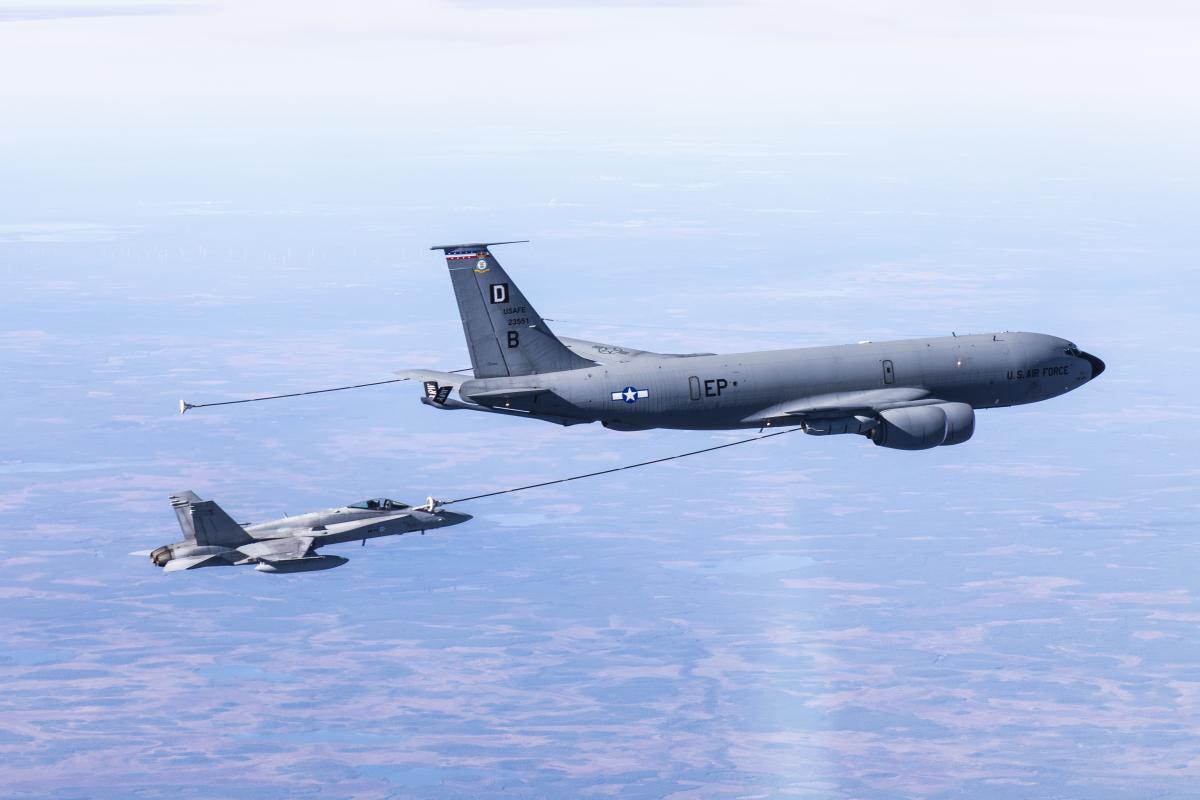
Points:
(212, 201)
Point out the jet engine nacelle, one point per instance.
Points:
(923, 427)
(960, 422)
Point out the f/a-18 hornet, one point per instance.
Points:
(910, 395)
(212, 539)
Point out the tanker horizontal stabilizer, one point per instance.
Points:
(446, 378)
(512, 392)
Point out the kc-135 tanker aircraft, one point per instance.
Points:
(913, 394)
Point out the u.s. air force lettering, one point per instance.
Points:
(1039, 372)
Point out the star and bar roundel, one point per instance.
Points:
(631, 394)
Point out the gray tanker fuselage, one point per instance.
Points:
(744, 390)
(910, 395)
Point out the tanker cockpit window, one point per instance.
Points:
(1071, 349)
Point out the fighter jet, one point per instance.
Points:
(212, 539)
(909, 395)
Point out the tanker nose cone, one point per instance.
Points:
(1097, 364)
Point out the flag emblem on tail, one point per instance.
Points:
(631, 394)
(465, 254)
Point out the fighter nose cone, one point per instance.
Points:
(1097, 364)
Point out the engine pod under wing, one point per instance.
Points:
(924, 427)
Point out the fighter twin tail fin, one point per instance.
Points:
(206, 523)
(505, 335)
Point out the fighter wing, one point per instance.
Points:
(289, 554)
(287, 548)
(616, 354)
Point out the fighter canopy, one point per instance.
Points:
(379, 504)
